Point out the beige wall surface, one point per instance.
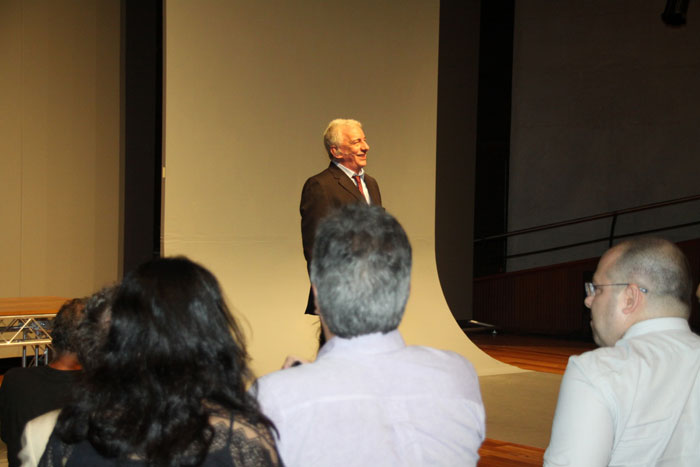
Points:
(59, 146)
(250, 87)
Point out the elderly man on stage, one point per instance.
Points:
(635, 400)
(369, 399)
(343, 182)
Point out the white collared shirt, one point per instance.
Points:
(636, 403)
(351, 174)
(373, 401)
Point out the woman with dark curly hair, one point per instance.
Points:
(165, 379)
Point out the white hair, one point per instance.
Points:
(332, 136)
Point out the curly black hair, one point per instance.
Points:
(64, 327)
(164, 356)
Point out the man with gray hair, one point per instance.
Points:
(343, 182)
(369, 399)
(635, 400)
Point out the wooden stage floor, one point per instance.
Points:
(538, 353)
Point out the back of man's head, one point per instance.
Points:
(361, 269)
(65, 326)
(659, 266)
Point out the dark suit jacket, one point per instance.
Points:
(321, 194)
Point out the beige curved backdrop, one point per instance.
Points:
(250, 87)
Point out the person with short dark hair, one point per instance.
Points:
(369, 399)
(165, 379)
(636, 399)
(26, 393)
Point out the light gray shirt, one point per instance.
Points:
(373, 401)
(636, 403)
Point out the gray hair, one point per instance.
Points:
(361, 268)
(332, 136)
(656, 264)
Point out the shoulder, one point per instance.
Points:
(10, 379)
(601, 361)
(607, 370)
(321, 180)
(285, 391)
(246, 430)
(452, 367)
(16, 377)
(442, 357)
(246, 443)
(648, 349)
(271, 386)
(330, 172)
(20, 373)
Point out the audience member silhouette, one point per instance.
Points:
(165, 379)
(635, 400)
(369, 399)
(29, 392)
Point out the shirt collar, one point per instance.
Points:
(656, 325)
(349, 172)
(366, 344)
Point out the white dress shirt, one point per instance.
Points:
(35, 436)
(636, 403)
(373, 401)
(351, 174)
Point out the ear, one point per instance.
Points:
(334, 152)
(313, 289)
(317, 310)
(632, 297)
(327, 332)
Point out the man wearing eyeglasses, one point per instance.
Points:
(635, 400)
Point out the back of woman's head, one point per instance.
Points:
(166, 355)
(169, 319)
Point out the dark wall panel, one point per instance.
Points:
(143, 89)
(456, 143)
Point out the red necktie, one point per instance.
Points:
(358, 180)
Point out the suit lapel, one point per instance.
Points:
(345, 182)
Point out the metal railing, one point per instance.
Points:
(613, 215)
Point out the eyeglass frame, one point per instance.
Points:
(591, 288)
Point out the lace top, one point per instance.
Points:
(235, 443)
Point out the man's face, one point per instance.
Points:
(607, 320)
(352, 151)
